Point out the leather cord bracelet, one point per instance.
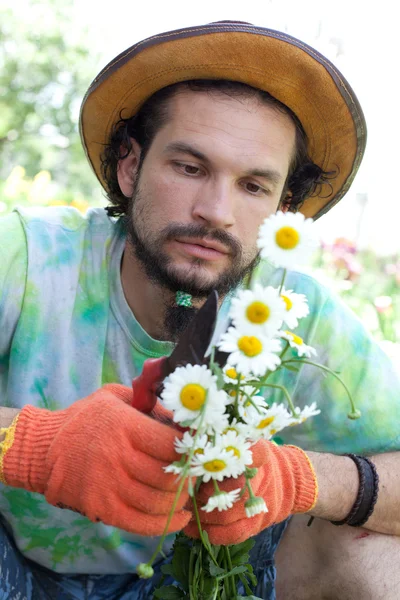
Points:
(367, 493)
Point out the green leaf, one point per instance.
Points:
(167, 569)
(209, 586)
(250, 574)
(239, 552)
(169, 592)
(234, 571)
(214, 570)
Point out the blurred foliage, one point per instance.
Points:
(45, 69)
(369, 284)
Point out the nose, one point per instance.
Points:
(214, 205)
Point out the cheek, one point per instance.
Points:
(249, 221)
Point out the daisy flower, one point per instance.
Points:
(297, 342)
(287, 239)
(184, 445)
(296, 307)
(261, 309)
(237, 426)
(306, 413)
(268, 422)
(240, 449)
(232, 376)
(250, 352)
(214, 463)
(185, 392)
(176, 468)
(248, 398)
(222, 501)
(255, 506)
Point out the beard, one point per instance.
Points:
(147, 247)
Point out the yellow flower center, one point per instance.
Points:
(287, 238)
(265, 422)
(296, 338)
(232, 393)
(250, 345)
(230, 429)
(231, 373)
(257, 312)
(214, 465)
(235, 450)
(287, 301)
(199, 451)
(193, 396)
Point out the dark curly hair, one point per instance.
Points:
(305, 178)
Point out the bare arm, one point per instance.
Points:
(338, 483)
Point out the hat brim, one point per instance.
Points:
(288, 69)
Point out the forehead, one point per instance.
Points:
(240, 125)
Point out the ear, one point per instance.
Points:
(127, 169)
(284, 205)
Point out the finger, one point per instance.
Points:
(150, 471)
(148, 499)
(151, 437)
(261, 453)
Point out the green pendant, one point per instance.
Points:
(183, 299)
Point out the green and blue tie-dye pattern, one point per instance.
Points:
(66, 329)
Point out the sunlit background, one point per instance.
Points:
(50, 51)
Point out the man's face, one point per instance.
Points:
(212, 174)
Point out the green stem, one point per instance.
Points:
(284, 390)
(196, 513)
(283, 281)
(250, 489)
(355, 413)
(231, 578)
(191, 561)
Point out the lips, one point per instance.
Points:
(210, 244)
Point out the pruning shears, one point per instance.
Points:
(190, 349)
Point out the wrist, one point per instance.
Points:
(26, 446)
(338, 485)
(305, 479)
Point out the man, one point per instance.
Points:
(194, 168)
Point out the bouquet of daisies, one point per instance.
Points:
(225, 413)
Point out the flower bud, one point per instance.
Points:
(145, 571)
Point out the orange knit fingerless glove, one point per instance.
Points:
(287, 483)
(99, 457)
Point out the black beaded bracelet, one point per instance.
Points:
(367, 493)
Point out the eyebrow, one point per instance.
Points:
(270, 175)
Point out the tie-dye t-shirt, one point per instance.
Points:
(66, 329)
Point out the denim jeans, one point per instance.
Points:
(22, 579)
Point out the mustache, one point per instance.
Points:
(193, 230)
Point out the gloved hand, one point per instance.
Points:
(287, 483)
(99, 457)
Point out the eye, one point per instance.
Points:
(187, 169)
(254, 188)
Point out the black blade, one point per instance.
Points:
(196, 338)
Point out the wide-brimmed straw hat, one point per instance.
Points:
(291, 71)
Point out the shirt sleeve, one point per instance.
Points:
(344, 346)
(13, 272)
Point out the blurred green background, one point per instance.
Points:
(46, 65)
